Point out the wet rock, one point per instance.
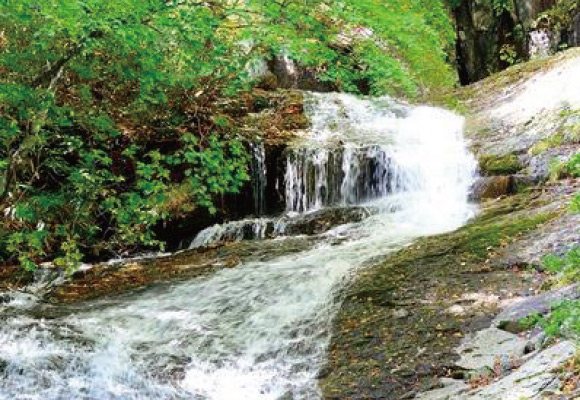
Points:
(313, 223)
(401, 313)
(492, 187)
(448, 392)
(541, 304)
(533, 379)
(482, 350)
(13, 277)
(323, 220)
(5, 298)
(456, 310)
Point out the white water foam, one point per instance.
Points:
(259, 331)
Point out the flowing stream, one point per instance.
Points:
(260, 330)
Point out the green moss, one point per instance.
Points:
(548, 143)
(499, 165)
(422, 279)
(479, 240)
(446, 99)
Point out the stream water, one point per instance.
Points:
(261, 330)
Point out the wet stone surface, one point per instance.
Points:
(448, 286)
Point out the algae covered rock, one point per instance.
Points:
(493, 165)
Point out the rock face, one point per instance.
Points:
(483, 349)
(485, 35)
(402, 318)
(522, 122)
(517, 119)
(536, 304)
(535, 379)
(291, 75)
(492, 36)
(574, 32)
(492, 187)
(528, 10)
(557, 237)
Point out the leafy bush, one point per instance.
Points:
(559, 16)
(110, 118)
(564, 319)
(567, 267)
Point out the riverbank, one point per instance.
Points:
(400, 321)
(405, 321)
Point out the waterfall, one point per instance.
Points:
(259, 331)
(247, 229)
(259, 173)
(316, 178)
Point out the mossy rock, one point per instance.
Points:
(269, 82)
(14, 277)
(492, 165)
(371, 356)
(276, 117)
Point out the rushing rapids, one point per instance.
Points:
(258, 331)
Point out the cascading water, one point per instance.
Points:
(259, 173)
(258, 331)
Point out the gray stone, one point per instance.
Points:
(483, 349)
(535, 379)
(541, 303)
(450, 391)
(456, 310)
(531, 380)
(539, 165)
(556, 237)
(401, 313)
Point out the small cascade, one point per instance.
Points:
(287, 225)
(316, 178)
(259, 177)
(247, 229)
(542, 43)
(261, 330)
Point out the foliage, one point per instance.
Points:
(499, 6)
(564, 319)
(567, 267)
(101, 117)
(396, 47)
(509, 54)
(110, 118)
(481, 239)
(559, 16)
(531, 321)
